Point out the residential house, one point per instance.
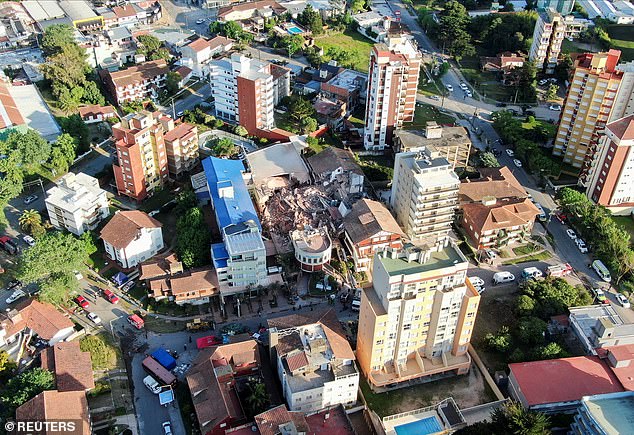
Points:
(452, 143)
(438, 306)
(77, 203)
(198, 53)
(195, 286)
(248, 10)
(212, 384)
(72, 367)
(132, 237)
(94, 113)
(348, 86)
(314, 360)
(336, 165)
(181, 146)
(330, 112)
(600, 326)
(495, 209)
(137, 83)
(368, 229)
(36, 318)
(54, 405)
(504, 63)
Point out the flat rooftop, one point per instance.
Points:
(586, 317)
(614, 412)
(448, 257)
(348, 79)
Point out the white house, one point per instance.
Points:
(77, 203)
(198, 53)
(132, 237)
(34, 318)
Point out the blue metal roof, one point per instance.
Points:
(219, 255)
(234, 208)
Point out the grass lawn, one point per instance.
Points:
(548, 126)
(357, 118)
(570, 47)
(354, 42)
(377, 168)
(426, 113)
(158, 200)
(525, 249)
(104, 354)
(626, 47)
(163, 326)
(623, 39)
(625, 222)
(544, 255)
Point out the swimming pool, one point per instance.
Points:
(294, 30)
(425, 426)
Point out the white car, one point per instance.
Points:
(468, 93)
(542, 82)
(571, 234)
(517, 163)
(463, 86)
(94, 318)
(15, 296)
(582, 246)
(621, 299)
(555, 107)
(200, 21)
(449, 88)
(476, 281)
(510, 153)
(167, 428)
(29, 240)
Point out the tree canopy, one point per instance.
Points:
(510, 419)
(311, 18)
(452, 30)
(25, 386)
(192, 245)
(553, 296)
(152, 48)
(230, 29)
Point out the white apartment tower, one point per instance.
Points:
(548, 36)
(424, 194)
(392, 85)
(77, 203)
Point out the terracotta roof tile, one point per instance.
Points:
(56, 405)
(139, 73)
(269, 422)
(296, 360)
(332, 158)
(94, 110)
(368, 218)
(161, 266)
(623, 128)
(180, 131)
(497, 182)
(43, 319)
(72, 367)
(124, 227)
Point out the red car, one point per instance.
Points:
(111, 297)
(82, 302)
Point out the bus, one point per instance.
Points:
(601, 270)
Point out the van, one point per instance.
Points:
(356, 305)
(601, 270)
(502, 277)
(531, 273)
(151, 384)
(136, 321)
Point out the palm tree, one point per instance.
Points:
(258, 397)
(30, 221)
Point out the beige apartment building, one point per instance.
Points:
(424, 194)
(181, 145)
(417, 319)
(595, 90)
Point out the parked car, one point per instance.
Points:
(82, 302)
(571, 234)
(29, 240)
(583, 248)
(9, 245)
(562, 218)
(476, 281)
(599, 295)
(463, 86)
(200, 21)
(517, 163)
(94, 318)
(449, 88)
(555, 107)
(180, 113)
(136, 321)
(110, 297)
(435, 97)
(542, 82)
(15, 296)
(151, 384)
(510, 153)
(622, 300)
(14, 284)
(167, 428)
(30, 199)
(503, 277)
(468, 93)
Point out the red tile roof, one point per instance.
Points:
(623, 128)
(72, 367)
(94, 110)
(43, 319)
(564, 379)
(139, 73)
(269, 422)
(9, 113)
(296, 361)
(57, 406)
(180, 131)
(624, 357)
(337, 422)
(124, 227)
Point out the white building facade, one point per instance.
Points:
(77, 204)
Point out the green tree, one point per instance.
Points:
(11, 181)
(292, 43)
(357, 6)
(92, 94)
(56, 38)
(452, 30)
(173, 82)
(563, 67)
(7, 366)
(68, 146)
(524, 305)
(553, 296)
(308, 125)
(52, 262)
(25, 386)
(500, 341)
(531, 330)
(488, 160)
(300, 108)
(513, 418)
(223, 147)
(31, 222)
(551, 351)
(551, 92)
(257, 398)
(311, 18)
(192, 244)
(241, 131)
(75, 126)
(32, 148)
(68, 68)
(149, 43)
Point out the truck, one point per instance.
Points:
(9, 245)
(164, 358)
(136, 321)
(559, 270)
(158, 372)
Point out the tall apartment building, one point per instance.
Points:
(240, 259)
(246, 90)
(181, 146)
(77, 203)
(424, 194)
(610, 180)
(138, 82)
(595, 90)
(392, 85)
(548, 36)
(141, 160)
(417, 319)
(314, 361)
